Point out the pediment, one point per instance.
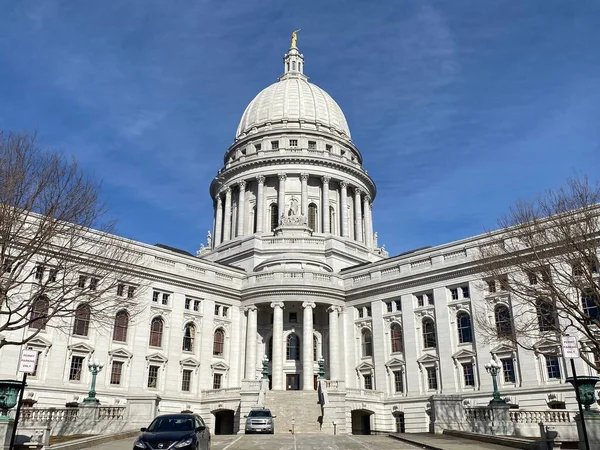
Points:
(157, 357)
(502, 348)
(219, 366)
(464, 354)
(39, 341)
(395, 362)
(428, 359)
(547, 346)
(120, 353)
(192, 362)
(81, 347)
(364, 367)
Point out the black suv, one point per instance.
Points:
(260, 420)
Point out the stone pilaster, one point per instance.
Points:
(367, 212)
(304, 194)
(325, 197)
(260, 203)
(252, 315)
(227, 224)
(334, 343)
(241, 208)
(219, 221)
(344, 208)
(307, 347)
(277, 363)
(281, 195)
(358, 233)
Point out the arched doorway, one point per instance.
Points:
(399, 420)
(224, 421)
(361, 421)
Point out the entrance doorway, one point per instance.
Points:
(292, 382)
(224, 421)
(400, 425)
(361, 421)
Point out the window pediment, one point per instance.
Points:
(428, 359)
(189, 362)
(547, 346)
(365, 368)
(81, 347)
(395, 363)
(120, 353)
(464, 354)
(39, 341)
(502, 348)
(219, 366)
(156, 358)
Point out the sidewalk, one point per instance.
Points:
(430, 441)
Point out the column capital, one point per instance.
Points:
(250, 308)
(227, 190)
(260, 179)
(219, 199)
(281, 176)
(343, 184)
(309, 305)
(242, 185)
(326, 179)
(367, 199)
(334, 308)
(358, 191)
(304, 176)
(277, 305)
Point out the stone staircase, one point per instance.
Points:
(299, 406)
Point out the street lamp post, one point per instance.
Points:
(95, 368)
(265, 369)
(321, 371)
(493, 368)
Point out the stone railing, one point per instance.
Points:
(367, 394)
(111, 412)
(49, 414)
(221, 393)
(335, 385)
(478, 414)
(544, 416)
(250, 385)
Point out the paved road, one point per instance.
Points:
(287, 442)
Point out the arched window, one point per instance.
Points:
(292, 347)
(396, 337)
(463, 324)
(219, 342)
(546, 315)
(503, 321)
(429, 340)
(82, 320)
(332, 224)
(274, 216)
(189, 332)
(39, 313)
(312, 217)
(156, 332)
(367, 343)
(121, 325)
(315, 348)
(270, 349)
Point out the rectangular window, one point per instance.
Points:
(53, 275)
(93, 283)
(293, 317)
(196, 305)
(186, 380)
(257, 147)
(360, 313)
(293, 142)
(432, 384)
(491, 284)
(388, 306)
(430, 299)
(532, 277)
(153, 377)
(508, 369)
(465, 292)
(130, 291)
(39, 272)
(275, 145)
(188, 303)
(155, 296)
(454, 293)
(120, 290)
(76, 367)
(553, 367)
(368, 382)
(217, 379)
(312, 145)
(116, 371)
(468, 374)
(503, 283)
(165, 299)
(217, 309)
(368, 309)
(225, 311)
(328, 147)
(420, 300)
(398, 383)
(398, 305)
(82, 280)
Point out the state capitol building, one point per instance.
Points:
(292, 282)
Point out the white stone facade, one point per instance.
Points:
(294, 259)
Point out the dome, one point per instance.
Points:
(294, 103)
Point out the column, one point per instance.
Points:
(371, 233)
(304, 190)
(277, 363)
(307, 347)
(334, 343)
(227, 224)
(241, 207)
(260, 202)
(219, 220)
(344, 208)
(367, 209)
(281, 195)
(251, 329)
(358, 228)
(325, 199)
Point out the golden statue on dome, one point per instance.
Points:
(294, 38)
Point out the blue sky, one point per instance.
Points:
(459, 108)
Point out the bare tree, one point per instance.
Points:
(543, 265)
(60, 267)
